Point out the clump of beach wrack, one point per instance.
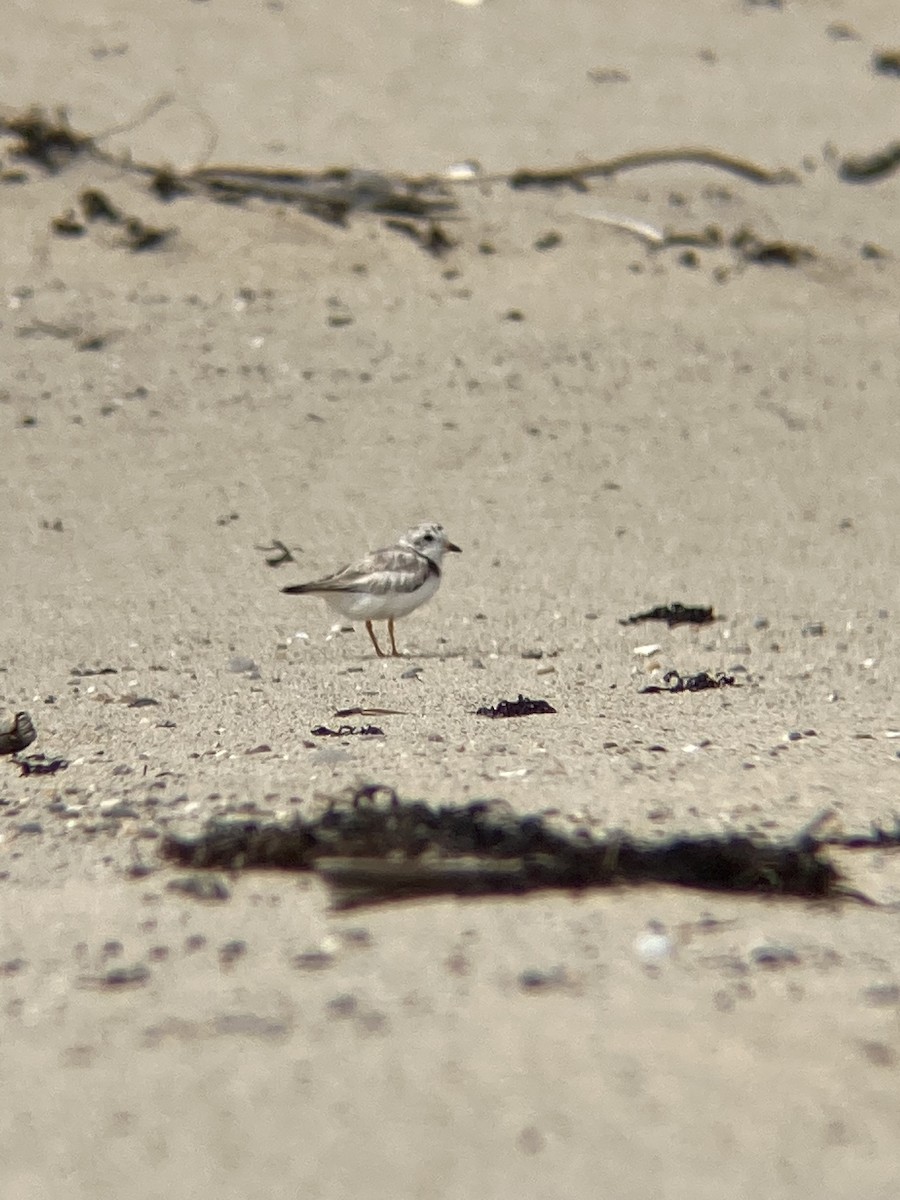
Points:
(371, 846)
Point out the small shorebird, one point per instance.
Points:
(385, 584)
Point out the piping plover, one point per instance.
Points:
(385, 584)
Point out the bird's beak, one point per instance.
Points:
(453, 546)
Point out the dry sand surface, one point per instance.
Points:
(603, 426)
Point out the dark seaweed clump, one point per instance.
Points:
(372, 846)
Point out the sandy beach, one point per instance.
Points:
(644, 381)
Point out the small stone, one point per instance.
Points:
(230, 952)
(122, 977)
(774, 957)
(534, 980)
(882, 995)
(342, 1006)
(313, 960)
(200, 887)
(238, 664)
(120, 812)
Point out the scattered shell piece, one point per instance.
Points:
(654, 946)
(461, 171)
(647, 233)
(646, 651)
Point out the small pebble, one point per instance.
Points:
(239, 665)
(342, 1006)
(534, 980)
(230, 952)
(200, 887)
(774, 956)
(882, 995)
(122, 977)
(313, 960)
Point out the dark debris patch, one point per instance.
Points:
(675, 683)
(97, 206)
(40, 764)
(371, 846)
(673, 614)
(137, 235)
(886, 62)
(200, 887)
(432, 238)
(753, 249)
(280, 554)
(167, 185)
(49, 141)
(67, 225)
(865, 168)
(347, 731)
(118, 978)
(522, 707)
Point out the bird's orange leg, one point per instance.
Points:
(371, 633)
(396, 652)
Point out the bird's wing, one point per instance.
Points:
(391, 570)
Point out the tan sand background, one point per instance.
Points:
(650, 431)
